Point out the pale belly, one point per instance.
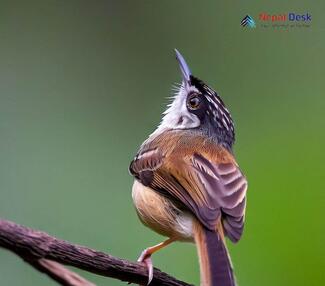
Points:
(160, 214)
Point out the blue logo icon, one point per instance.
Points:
(248, 21)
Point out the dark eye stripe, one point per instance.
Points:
(216, 113)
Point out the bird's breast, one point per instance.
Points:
(160, 213)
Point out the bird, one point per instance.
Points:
(187, 184)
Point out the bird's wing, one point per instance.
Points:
(223, 187)
(211, 190)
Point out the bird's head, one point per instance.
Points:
(198, 107)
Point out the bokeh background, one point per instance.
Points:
(83, 83)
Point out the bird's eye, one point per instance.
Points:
(194, 102)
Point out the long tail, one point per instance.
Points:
(215, 264)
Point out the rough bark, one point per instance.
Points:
(47, 254)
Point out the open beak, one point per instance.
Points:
(184, 68)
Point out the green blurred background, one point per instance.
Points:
(83, 83)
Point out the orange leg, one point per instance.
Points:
(145, 256)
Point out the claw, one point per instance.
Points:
(145, 258)
(149, 264)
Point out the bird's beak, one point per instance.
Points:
(184, 68)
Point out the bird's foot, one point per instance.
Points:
(145, 258)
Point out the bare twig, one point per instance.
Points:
(46, 253)
(58, 272)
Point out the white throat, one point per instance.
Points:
(176, 115)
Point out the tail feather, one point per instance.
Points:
(215, 264)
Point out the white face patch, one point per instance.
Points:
(177, 116)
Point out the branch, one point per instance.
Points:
(41, 250)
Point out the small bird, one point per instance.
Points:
(188, 186)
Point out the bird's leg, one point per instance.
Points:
(145, 256)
